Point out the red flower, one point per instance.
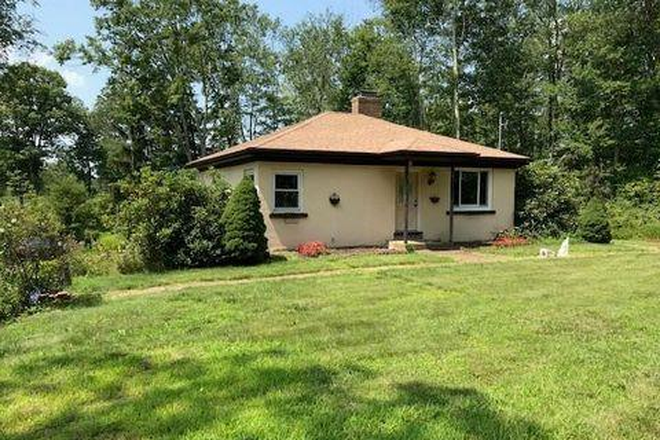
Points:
(312, 249)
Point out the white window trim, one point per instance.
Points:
(299, 174)
(489, 197)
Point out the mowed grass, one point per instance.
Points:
(282, 264)
(515, 349)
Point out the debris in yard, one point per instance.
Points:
(37, 297)
(563, 249)
(546, 253)
(561, 253)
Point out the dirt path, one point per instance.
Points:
(462, 256)
(468, 256)
(118, 294)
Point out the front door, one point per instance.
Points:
(401, 201)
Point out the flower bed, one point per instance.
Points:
(312, 249)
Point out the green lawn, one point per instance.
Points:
(422, 349)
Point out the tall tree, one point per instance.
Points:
(502, 101)
(313, 53)
(16, 29)
(184, 75)
(378, 60)
(437, 32)
(38, 120)
(613, 99)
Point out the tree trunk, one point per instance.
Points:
(455, 74)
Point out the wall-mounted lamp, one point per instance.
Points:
(432, 178)
(334, 199)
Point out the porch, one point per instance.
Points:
(438, 206)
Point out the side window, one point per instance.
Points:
(287, 192)
(471, 189)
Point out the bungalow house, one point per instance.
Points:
(353, 179)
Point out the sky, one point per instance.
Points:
(58, 20)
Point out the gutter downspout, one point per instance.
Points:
(451, 205)
(406, 198)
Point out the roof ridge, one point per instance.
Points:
(292, 128)
(417, 131)
(427, 133)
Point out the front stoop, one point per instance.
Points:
(400, 246)
(412, 235)
(428, 245)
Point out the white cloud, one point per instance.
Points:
(76, 81)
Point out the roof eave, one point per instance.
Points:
(387, 158)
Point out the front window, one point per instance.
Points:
(471, 189)
(287, 192)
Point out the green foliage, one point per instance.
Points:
(635, 211)
(244, 238)
(571, 83)
(103, 257)
(38, 120)
(172, 218)
(131, 260)
(16, 28)
(66, 194)
(34, 251)
(11, 299)
(313, 53)
(594, 225)
(548, 199)
(200, 76)
(377, 60)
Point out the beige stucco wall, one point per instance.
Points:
(435, 221)
(364, 216)
(366, 213)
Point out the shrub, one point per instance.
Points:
(635, 211)
(594, 225)
(34, 251)
(130, 260)
(548, 199)
(66, 194)
(171, 219)
(10, 297)
(93, 217)
(101, 258)
(244, 228)
(312, 249)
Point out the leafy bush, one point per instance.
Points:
(34, 251)
(244, 228)
(131, 261)
(65, 193)
(635, 211)
(172, 219)
(548, 199)
(11, 299)
(84, 217)
(594, 225)
(103, 257)
(312, 249)
(94, 217)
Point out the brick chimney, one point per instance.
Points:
(367, 103)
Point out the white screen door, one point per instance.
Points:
(401, 202)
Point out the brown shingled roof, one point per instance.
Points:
(356, 134)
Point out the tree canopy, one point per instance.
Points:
(573, 83)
